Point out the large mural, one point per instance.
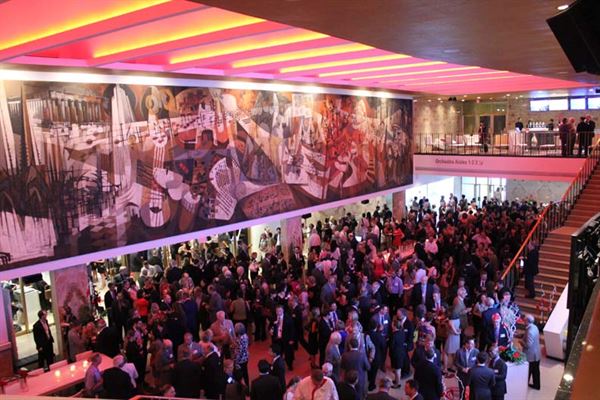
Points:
(87, 167)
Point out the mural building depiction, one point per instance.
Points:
(88, 167)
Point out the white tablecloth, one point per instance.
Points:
(49, 383)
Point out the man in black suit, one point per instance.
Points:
(420, 351)
(376, 336)
(347, 388)
(429, 377)
(465, 359)
(356, 360)
(43, 339)
(266, 386)
(116, 382)
(212, 374)
(283, 333)
(326, 327)
(278, 365)
(385, 384)
(185, 378)
(110, 297)
(481, 379)
(531, 268)
(409, 330)
(487, 322)
(107, 340)
(500, 370)
(411, 389)
(422, 293)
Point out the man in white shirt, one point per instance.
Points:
(316, 387)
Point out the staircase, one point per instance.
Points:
(555, 250)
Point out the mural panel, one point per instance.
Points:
(87, 167)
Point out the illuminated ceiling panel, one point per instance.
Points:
(190, 38)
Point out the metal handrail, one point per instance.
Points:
(553, 216)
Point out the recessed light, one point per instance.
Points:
(463, 100)
(562, 7)
(451, 51)
(439, 98)
(478, 97)
(464, 95)
(508, 95)
(429, 100)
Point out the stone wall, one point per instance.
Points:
(542, 191)
(437, 117)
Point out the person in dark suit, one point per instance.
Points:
(487, 324)
(278, 365)
(107, 340)
(110, 297)
(531, 268)
(116, 382)
(347, 388)
(465, 359)
(411, 389)
(422, 293)
(385, 384)
(409, 331)
(481, 379)
(381, 317)
(397, 351)
(376, 336)
(420, 351)
(212, 374)
(283, 333)
(42, 336)
(500, 370)
(429, 377)
(266, 386)
(185, 378)
(326, 327)
(356, 360)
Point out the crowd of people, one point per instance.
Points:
(422, 291)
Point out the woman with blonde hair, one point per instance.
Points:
(333, 355)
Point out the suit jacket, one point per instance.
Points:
(417, 296)
(278, 371)
(107, 342)
(500, 370)
(380, 396)
(347, 392)
(461, 361)
(117, 384)
(531, 343)
(355, 359)
(419, 396)
(212, 376)
(481, 382)
(265, 387)
(380, 348)
(419, 355)
(185, 379)
(386, 323)
(40, 338)
(409, 334)
(429, 377)
(288, 333)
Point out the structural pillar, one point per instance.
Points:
(70, 287)
(399, 205)
(291, 235)
(8, 349)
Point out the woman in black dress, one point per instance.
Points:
(397, 350)
(312, 345)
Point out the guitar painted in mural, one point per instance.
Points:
(90, 167)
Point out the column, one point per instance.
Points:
(399, 205)
(291, 235)
(8, 350)
(70, 286)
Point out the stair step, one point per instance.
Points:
(558, 242)
(551, 279)
(550, 252)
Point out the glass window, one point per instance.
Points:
(578, 103)
(593, 103)
(558, 104)
(539, 105)
(467, 179)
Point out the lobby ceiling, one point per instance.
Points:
(441, 47)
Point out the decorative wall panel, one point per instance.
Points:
(88, 167)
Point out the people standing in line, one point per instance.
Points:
(44, 341)
(531, 348)
(481, 379)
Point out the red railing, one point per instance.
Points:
(553, 216)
